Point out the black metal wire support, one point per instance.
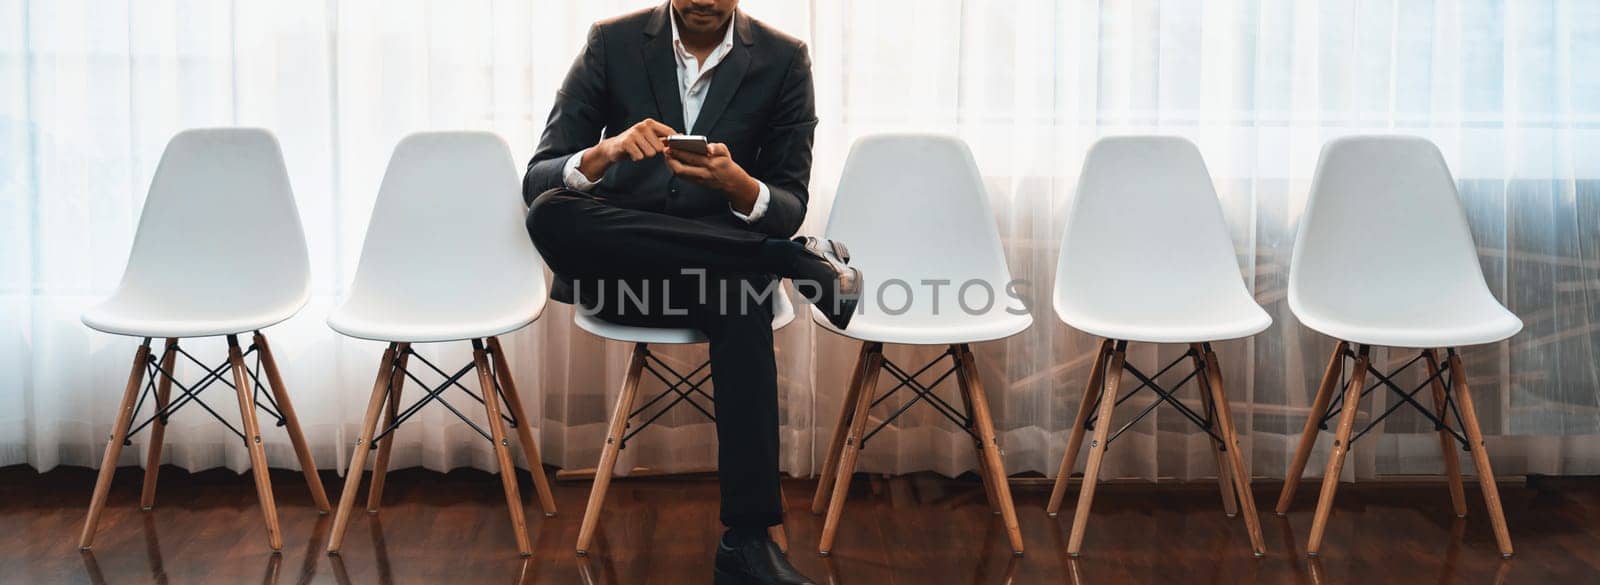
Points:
(456, 382)
(922, 393)
(1089, 424)
(1206, 421)
(155, 371)
(1406, 397)
(681, 387)
(1337, 404)
(435, 393)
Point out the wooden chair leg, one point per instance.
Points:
(1341, 447)
(1480, 454)
(530, 449)
(991, 448)
(984, 476)
(358, 455)
(391, 409)
(302, 450)
(1447, 442)
(1235, 454)
(830, 462)
(502, 448)
(852, 448)
(1230, 504)
(252, 433)
(1308, 434)
(1097, 448)
(1091, 392)
(158, 429)
(608, 454)
(119, 433)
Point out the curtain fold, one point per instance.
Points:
(90, 91)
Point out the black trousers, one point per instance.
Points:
(626, 266)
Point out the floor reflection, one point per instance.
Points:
(595, 568)
(1287, 540)
(1073, 571)
(831, 568)
(274, 561)
(587, 571)
(380, 556)
(1449, 567)
(1447, 571)
(152, 549)
(549, 532)
(92, 567)
(1314, 569)
(155, 559)
(527, 570)
(992, 541)
(452, 537)
(340, 574)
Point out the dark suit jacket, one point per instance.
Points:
(760, 104)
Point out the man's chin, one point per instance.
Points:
(703, 23)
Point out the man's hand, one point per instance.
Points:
(716, 170)
(638, 142)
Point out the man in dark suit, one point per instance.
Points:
(705, 236)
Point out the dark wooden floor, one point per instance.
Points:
(443, 528)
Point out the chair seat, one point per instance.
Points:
(369, 321)
(782, 315)
(123, 315)
(949, 328)
(1434, 326)
(1212, 320)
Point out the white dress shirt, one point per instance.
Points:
(694, 82)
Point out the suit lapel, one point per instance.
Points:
(662, 69)
(724, 83)
(726, 79)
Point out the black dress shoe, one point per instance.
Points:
(830, 285)
(755, 561)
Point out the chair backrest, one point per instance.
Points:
(1383, 229)
(1145, 232)
(446, 232)
(913, 207)
(220, 233)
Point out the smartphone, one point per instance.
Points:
(687, 143)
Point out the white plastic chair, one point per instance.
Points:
(912, 208)
(445, 259)
(683, 386)
(219, 251)
(1384, 258)
(1146, 257)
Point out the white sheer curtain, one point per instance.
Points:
(91, 90)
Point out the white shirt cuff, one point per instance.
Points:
(763, 197)
(573, 177)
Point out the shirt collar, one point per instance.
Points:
(677, 42)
